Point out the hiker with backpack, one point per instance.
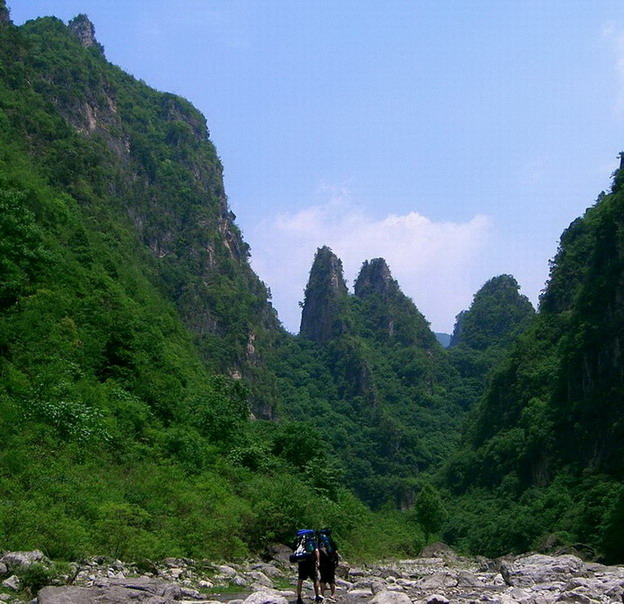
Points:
(328, 560)
(306, 555)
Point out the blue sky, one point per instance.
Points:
(457, 138)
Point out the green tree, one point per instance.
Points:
(430, 511)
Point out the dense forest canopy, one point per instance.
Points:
(152, 405)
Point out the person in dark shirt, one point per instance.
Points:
(328, 560)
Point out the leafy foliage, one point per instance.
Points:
(135, 340)
(549, 427)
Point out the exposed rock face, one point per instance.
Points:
(159, 172)
(387, 312)
(85, 32)
(375, 278)
(326, 297)
(5, 18)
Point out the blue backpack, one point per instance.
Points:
(305, 544)
(326, 543)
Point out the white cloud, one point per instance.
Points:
(435, 263)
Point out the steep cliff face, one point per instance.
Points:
(144, 159)
(84, 30)
(386, 312)
(323, 316)
(5, 17)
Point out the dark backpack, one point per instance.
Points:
(304, 547)
(326, 543)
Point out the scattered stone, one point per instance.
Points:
(528, 579)
(12, 583)
(24, 559)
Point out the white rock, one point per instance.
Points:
(391, 597)
(12, 582)
(228, 571)
(265, 596)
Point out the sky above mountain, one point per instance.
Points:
(456, 139)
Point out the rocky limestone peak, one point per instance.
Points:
(5, 17)
(325, 300)
(375, 278)
(84, 30)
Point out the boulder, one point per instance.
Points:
(531, 570)
(97, 595)
(436, 599)
(391, 597)
(259, 578)
(438, 581)
(228, 571)
(280, 553)
(148, 585)
(11, 583)
(265, 596)
(438, 550)
(24, 559)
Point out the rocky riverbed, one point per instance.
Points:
(438, 577)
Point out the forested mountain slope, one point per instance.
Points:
(371, 376)
(544, 446)
(484, 333)
(134, 337)
(152, 405)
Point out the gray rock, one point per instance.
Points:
(156, 587)
(97, 595)
(438, 581)
(24, 559)
(260, 578)
(376, 585)
(391, 597)
(360, 593)
(531, 570)
(268, 569)
(436, 599)
(576, 596)
(12, 583)
(280, 553)
(3, 569)
(265, 596)
(228, 571)
(467, 579)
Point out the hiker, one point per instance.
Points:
(306, 555)
(328, 560)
